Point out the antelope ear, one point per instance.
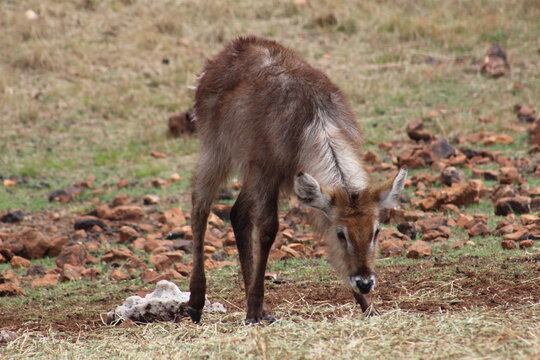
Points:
(310, 193)
(389, 192)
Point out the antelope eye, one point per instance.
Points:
(341, 236)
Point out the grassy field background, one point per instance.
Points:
(86, 90)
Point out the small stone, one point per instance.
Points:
(14, 216)
(19, 262)
(522, 234)
(451, 175)
(120, 200)
(508, 244)
(183, 269)
(117, 254)
(526, 244)
(517, 204)
(173, 217)
(214, 220)
(159, 183)
(419, 249)
(442, 149)
(90, 274)
(174, 177)
(408, 228)
(118, 275)
(161, 262)
(48, 280)
(167, 275)
(72, 273)
(127, 234)
(9, 289)
(8, 335)
(74, 254)
(88, 222)
(151, 199)
(391, 247)
(126, 212)
(478, 229)
(372, 158)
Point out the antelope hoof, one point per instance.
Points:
(195, 315)
(371, 311)
(269, 319)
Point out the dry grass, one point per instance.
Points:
(395, 335)
(85, 90)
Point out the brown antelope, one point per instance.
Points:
(283, 125)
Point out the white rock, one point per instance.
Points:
(165, 303)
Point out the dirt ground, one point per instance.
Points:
(480, 288)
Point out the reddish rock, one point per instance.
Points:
(90, 274)
(117, 254)
(120, 200)
(19, 262)
(214, 220)
(127, 234)
(103, 212)
(161, 262)
(418, 249)
(508, 244)
(516, 204)
(291, 253)
(277, 254)
(173, 217)
(181, 124)
(167, 275)
(209, 249)
(175, 256)
(525, 113)
(460, 194)
(183, 269)
(452, 175)
(74, 254)
(441, 149)
(415, 132)
(526, 244)
(126, 212)
(509, 175)
(56, 244)
(503, 191)
(49, 280)
(9, 276)
(87, 223)
(518, 235)
(9, 289)
(477, 229)
(440, 234)
(372, 158)
(72, 273)
(150, 199)
(118, 275)
(495, 62)
(148, 275)
(223, 211)
(391, 247)
(34, 242)
(434, 222)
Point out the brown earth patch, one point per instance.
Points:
(471, 282)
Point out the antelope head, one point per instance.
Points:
(350, 223)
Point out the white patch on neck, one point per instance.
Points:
(328, 156)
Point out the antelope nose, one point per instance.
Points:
(364, 285)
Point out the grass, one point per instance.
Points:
(91, 96)
(86, 91)
(397, 334)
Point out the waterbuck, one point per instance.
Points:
(264, 112)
